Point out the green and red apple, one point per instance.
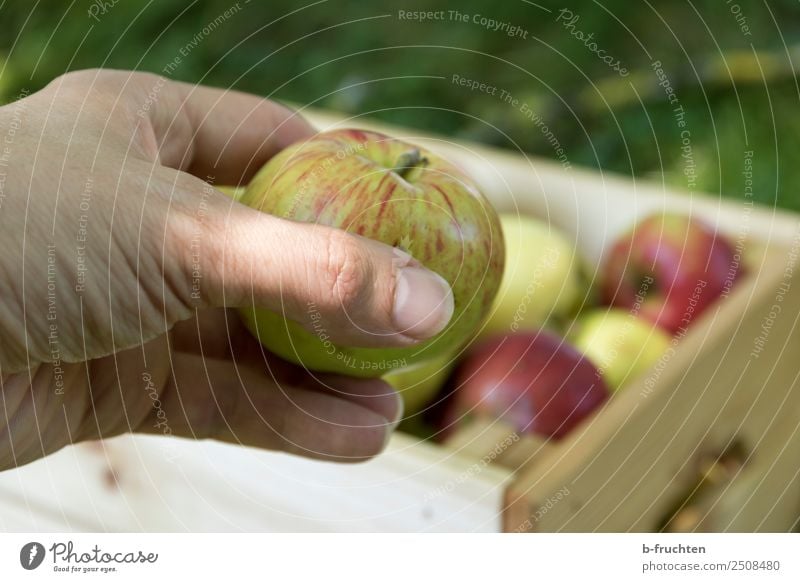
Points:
(621, 345)
(669, 268)
(390, 191)
(534, 381)
(542, 280)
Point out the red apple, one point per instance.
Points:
(534, 381)
(669, 268)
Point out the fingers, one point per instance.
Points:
(347, 421)
(373, 393)
(360, 292)
(221, 134)
(220, 334)
(34, 420)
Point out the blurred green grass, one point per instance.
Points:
(739, 91)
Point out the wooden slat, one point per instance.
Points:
(216, 487)
(631, 464)
(497, 442)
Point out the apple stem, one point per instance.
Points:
(408, 161)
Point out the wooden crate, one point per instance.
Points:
(629, 468)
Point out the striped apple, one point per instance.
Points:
(387, 190)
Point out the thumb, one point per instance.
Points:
(364, 292)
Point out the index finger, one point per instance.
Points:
(219, 135)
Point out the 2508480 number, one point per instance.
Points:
(740, 565)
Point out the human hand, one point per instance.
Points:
(121, 266)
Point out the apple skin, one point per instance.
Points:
(420, 383)
(234, 192)
(351, 179)
(542, 279)
(534, 381)
(621, 345)
(672, 266)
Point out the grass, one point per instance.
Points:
(739, 91)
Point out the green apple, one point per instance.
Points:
(621, 345)
(420, 383)
(385, 189)
(542, 278)
(235, 192)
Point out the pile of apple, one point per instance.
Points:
(553, 349)
(532, 342)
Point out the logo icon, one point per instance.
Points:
(31, 555)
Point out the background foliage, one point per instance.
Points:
(739, 91)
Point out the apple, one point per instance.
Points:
(542, 279)
(388, 190)
(669, 268)
(420, 383)
(534, 381)
(234, 192)
(621, 345)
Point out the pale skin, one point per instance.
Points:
(122, 268)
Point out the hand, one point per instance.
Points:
(121, 264)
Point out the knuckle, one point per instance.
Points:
(79, 77)
(345, 275)
(184, 210)
(107, 82)
(84, 79)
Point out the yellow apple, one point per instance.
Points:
(621, 345)
(542, 277)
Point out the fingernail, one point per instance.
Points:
(423, 302)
